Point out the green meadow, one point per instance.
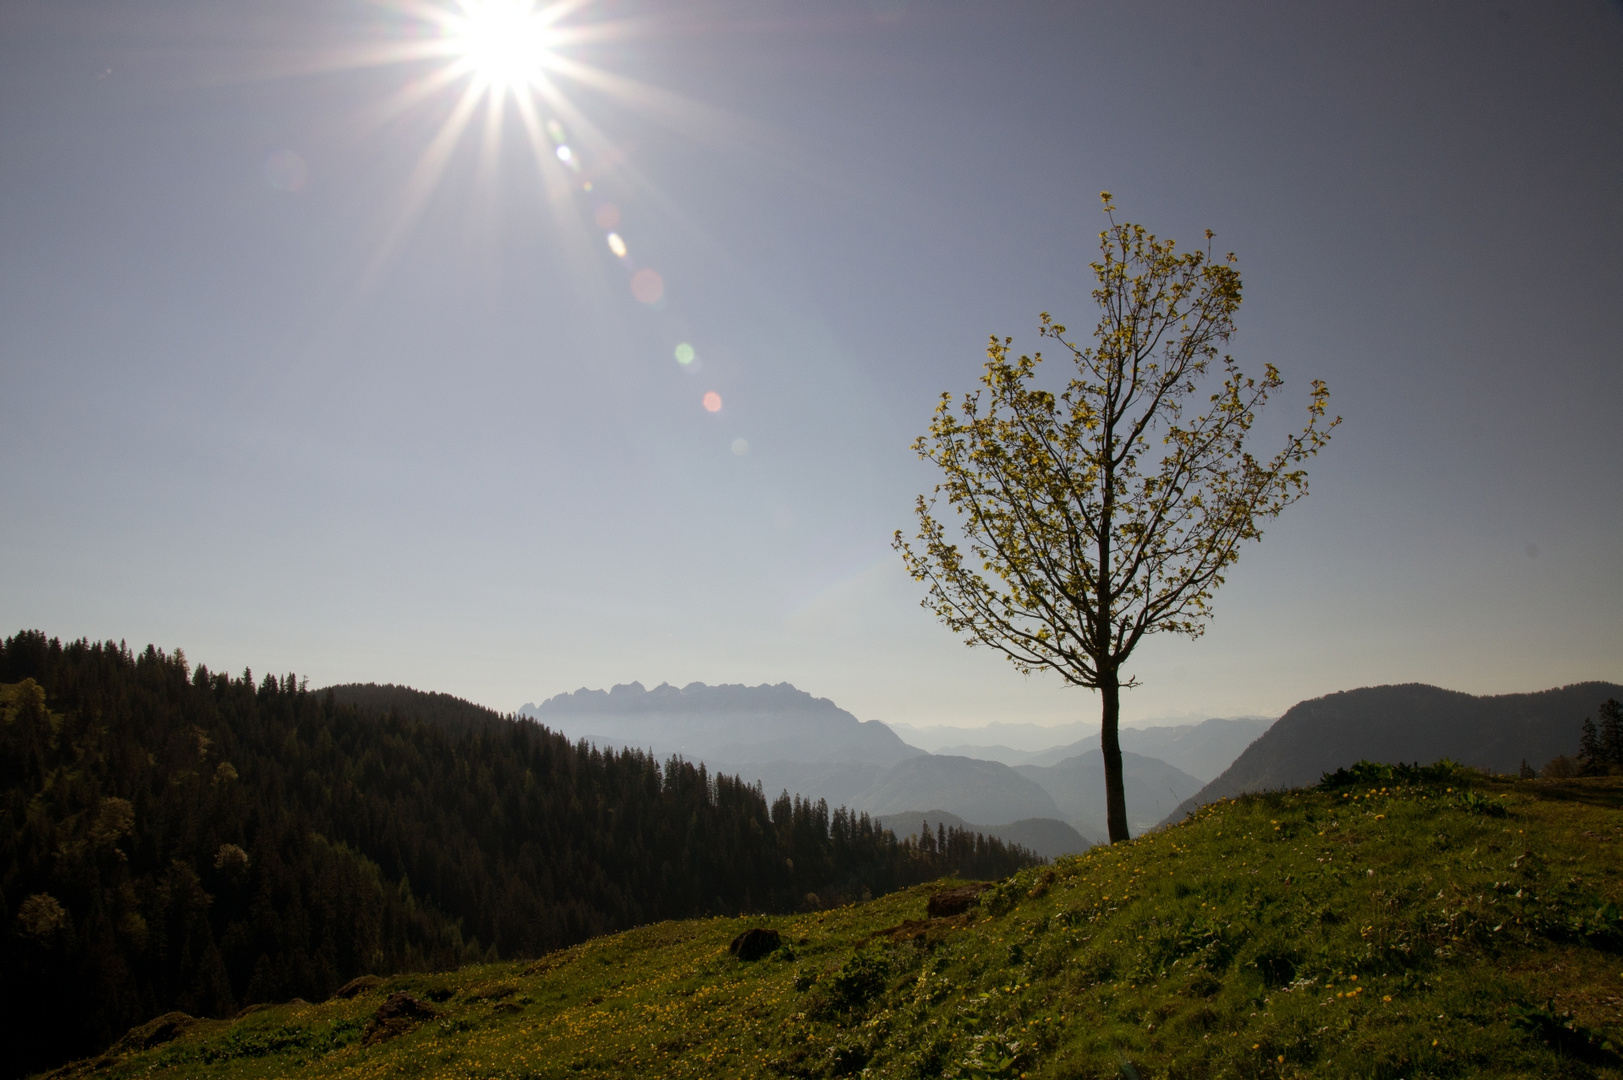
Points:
(1418, 923)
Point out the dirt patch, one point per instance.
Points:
(925, 933)
(356, 986)
(754, 943)
(396, 1016)
(950, 902)
(155, 1032)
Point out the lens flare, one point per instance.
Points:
(648, 286)
(507, 57)
(286, 171)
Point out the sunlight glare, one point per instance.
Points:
(505, 42)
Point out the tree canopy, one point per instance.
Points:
(1078, 523)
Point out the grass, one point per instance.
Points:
(1432, 926)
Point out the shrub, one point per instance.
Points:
(1373, 774)
(861, 980)
(1562, 767)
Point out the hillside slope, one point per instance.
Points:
(1384, 929)
(1412, 722)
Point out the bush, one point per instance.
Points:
(1562, 768)
(861, 980)
(1375, 774)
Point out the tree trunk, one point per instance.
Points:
(1110, 743)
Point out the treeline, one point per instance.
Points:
(182, 839)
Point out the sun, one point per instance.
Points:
(505, 43)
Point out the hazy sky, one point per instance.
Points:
(291, 379)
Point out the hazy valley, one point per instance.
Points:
(788, 740)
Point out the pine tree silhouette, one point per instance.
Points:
(1590, 751)
(1611, 732)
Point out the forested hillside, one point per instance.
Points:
(183, 839)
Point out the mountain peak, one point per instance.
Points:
(729, 723)
(694, 697)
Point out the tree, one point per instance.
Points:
(1104, 514)
(1589, 748)
(1611, 732)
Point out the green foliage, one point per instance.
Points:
(1374, 774)
(1597, 921)
(1322, 933)
(1559, 1030)
(1472, 803)
(860, 979)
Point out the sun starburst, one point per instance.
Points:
(505, 43)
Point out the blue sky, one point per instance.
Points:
(261, 405)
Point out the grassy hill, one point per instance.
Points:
(1401, 925)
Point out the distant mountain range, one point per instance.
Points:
(1412, 722)
(1201, 749)
(788, 740)
(728, 723)
(1017, 737)
(1153, 789)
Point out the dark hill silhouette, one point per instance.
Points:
(1411, 722)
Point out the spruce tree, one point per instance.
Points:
(1611, 732)
(1590, 751)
